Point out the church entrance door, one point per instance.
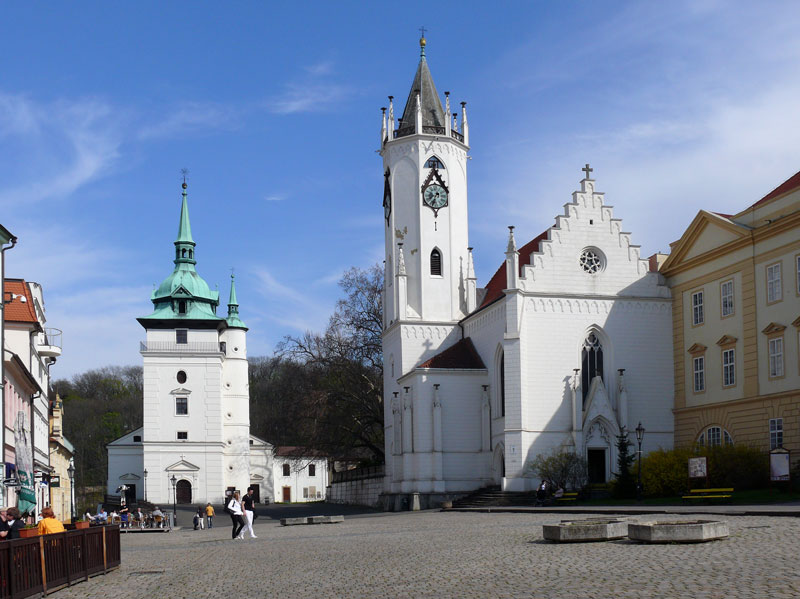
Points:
(183, 492)
(596, 459)
(130, 495)
(287, 495)
(256, 493)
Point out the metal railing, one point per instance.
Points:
(429, 129)
(46, 563)
(52, 337)
(197, 347)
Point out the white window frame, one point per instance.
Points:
(699, 373)
(186, 398)
(726, 437)
(186, 332)
(776, 369)
(775, 433)
(179, 433)
(727, 306)
(698, 312)
(714, 436)
(729, 367)
(312, 469)
(774, 283)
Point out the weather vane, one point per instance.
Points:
(184, 172)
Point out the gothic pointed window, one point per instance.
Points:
(434, 162)
(591, 362)
(436, 263)
(503, 385)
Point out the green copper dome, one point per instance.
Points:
(184, 295)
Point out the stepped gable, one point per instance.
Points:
(494, 289)
(461, 356)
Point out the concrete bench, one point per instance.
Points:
(311, 520)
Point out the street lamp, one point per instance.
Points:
(145, 484)
(174, 482)
(71, 474)
(639, 437)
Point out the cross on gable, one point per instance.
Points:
(587, 170)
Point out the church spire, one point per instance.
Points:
(429, 103)
(233, 319)
(184, 244)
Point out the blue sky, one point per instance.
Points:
(275, 110)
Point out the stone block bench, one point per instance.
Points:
(311, 520)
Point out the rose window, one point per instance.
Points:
(591, 261)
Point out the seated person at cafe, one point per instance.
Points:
(49, 524)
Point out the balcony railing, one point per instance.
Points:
(170, 347)
(427, 129)
(50, 343)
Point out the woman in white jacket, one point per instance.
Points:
(235, 510)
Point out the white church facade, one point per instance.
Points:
(569, 343)
(195, 443)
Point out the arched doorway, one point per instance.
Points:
(499, 464)
(183, 492)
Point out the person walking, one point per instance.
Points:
(235, 510)
(247, 503)
(49, 524)
(210, 515)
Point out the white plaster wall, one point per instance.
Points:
(299, 479)
(124, 460)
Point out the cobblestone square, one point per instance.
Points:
(438, 554)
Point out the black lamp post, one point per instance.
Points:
(174, 482)
(145, 484)
(71, 474)
(639, 437)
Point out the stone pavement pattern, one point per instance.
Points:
(434, 554)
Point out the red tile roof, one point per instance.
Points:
(16, 310)
(494, 290)
(790, 184)
(462, 355)
(295, 451)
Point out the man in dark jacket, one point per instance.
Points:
(14, 523)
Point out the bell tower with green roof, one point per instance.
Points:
(196, 398)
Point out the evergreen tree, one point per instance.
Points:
(625, 485)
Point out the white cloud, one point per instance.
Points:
(288, 306)
(312, 92)
(192, 117)
(52, 149)
(275, 198)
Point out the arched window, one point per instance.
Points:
(714, 436)
(286, 470)
(436, 263)
(181, 306)
(591, 362)
(183, 253)
(434, 162)
(502, 384)
(191, 253)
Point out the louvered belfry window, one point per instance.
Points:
(436, 263)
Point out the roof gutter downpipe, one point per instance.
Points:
(3, 362)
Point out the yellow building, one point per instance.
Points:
(61, 452)
(735, 283)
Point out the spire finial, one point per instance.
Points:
(184, 172)
(422, 42)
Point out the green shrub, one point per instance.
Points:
(563, 467)
(665, 473)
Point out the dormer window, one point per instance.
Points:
(182, 307)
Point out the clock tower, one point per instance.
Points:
(429, 277)
(425, 206)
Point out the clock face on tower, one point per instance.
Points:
(434, 192)
(435, 196)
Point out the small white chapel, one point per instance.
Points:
(195, 444)
(568, 344)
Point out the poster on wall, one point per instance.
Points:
(779, 464)
(698, 467)
(26, 496)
